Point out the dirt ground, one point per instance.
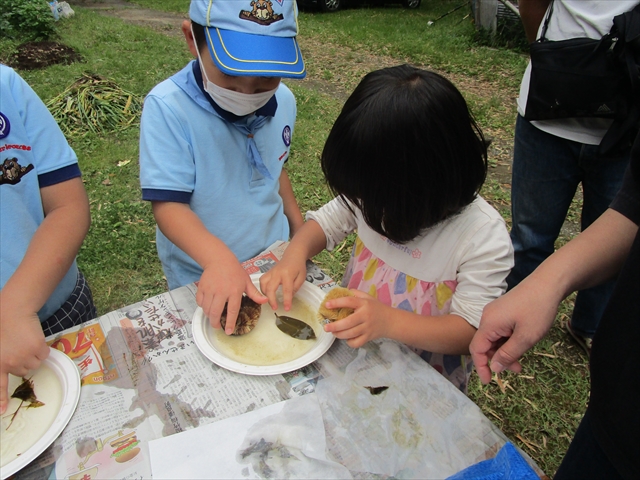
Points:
(35, 55)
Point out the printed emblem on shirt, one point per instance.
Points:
(286, 135)
(12, 171)
(415, 253)
(261, 12)
(5, 126)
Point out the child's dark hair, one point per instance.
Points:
(199, 35)
(406, 151)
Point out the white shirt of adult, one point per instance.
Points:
(572, 19)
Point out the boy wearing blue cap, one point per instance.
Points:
(213, 141)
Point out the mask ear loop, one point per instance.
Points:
(227, 99)
(204, 74)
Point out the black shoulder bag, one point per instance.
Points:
(584, 77)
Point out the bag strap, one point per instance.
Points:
(546, 23)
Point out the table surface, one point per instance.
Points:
(143, 377)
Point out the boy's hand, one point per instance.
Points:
(291, 274)
(22, 348)
(223, 284)
(368, 321)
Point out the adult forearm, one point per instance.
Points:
(531, 13)
(594, 256)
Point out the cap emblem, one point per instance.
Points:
(261, 12)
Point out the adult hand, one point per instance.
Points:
(223, 284)
(368, 322)
(22, 348)
(511, 325)
(291, 273)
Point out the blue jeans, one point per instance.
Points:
(546, 173)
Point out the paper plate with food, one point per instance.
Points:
(267, 342)
(39, 409)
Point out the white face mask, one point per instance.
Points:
(240, 104)
(235, 102)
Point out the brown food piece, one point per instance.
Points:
(247, 317)
(335, 313)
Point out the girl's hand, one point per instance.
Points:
(288, 272)
(369, 320)
(223, 284)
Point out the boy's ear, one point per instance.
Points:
(188, 36)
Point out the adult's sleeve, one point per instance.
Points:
(627, 201)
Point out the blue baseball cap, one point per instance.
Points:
(251, 37)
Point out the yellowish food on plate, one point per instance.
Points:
(266, 344)
(333, 314)
(22, 431)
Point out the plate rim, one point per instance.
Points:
(69, 377)
(198, 329)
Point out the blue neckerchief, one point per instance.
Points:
(261, 116)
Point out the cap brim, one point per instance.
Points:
(236, 53)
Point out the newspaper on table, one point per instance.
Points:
(143, 378)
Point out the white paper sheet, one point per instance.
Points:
(284, 440)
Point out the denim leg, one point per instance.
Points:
(545, 177)
(546, 173)
(601, 182)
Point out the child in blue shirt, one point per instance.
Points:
(45, 218)
(214, 138)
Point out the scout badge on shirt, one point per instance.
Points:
(286, 135)
(5, 126)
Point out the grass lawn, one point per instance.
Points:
(540, 409)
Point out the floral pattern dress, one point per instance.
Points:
(370, 274)
(455, 267)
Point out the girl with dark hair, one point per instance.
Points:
(406, 160)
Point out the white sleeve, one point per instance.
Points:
(336, 220)
(486, 260)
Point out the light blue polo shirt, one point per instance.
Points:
(190, 154)
(34, 154)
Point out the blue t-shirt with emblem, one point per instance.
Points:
(34, 154)
(193, 152)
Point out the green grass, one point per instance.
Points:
(539, 409)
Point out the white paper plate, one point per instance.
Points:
(69, 378)
(205, 338)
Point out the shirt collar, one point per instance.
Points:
(267, 110)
